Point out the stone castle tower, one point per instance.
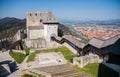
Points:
(40, 26)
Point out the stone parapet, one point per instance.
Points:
(84, 60)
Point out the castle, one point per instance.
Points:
(40, 26)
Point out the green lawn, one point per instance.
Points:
(27, 51)
(19, 57)
(98, 70)
(90, 68)
(65, 51)
(32, 75)
(31, 57)
(28, 75)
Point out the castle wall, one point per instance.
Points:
(40, 25)
(49, 30)
(40, 43)
(32, 19)
(36, 34)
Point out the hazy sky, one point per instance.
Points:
(63, 9)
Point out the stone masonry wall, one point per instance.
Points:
(84, 60)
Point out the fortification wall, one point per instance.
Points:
(84, 60)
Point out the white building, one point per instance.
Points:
(40, 26)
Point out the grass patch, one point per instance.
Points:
(90, 68)
(79, 61)
(32, 75)
(27, 51)
(31, 57)
(28, 75)
(65, 51)
(98, 70)
(18, 57)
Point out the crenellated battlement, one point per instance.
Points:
(38, 18)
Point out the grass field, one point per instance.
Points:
(90, 68)
(31, 57)
(27, 51)
(98, 70)
(32, 75)
(19, 57)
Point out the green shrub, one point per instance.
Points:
(28, 75)
(31, 57)
(79, 61)
(27, 50)
(32, 75)
(18, 57)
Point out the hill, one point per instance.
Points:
(7, 23)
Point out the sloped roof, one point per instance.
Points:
(45, 17)
(98, 43)
(74, 41)
(115, 48)
(110, 41)
(103, 43)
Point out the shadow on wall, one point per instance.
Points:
(105, 71)
(113, 58)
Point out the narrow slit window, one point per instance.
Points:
(30, 14)
(35, 14)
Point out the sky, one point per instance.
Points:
(63, 9)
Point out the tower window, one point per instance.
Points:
(41, 20)
(35, 14)
(50, 19)
(30, 14)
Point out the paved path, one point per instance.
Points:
(63, 70)
(5, 56)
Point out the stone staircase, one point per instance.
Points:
(63, 70)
